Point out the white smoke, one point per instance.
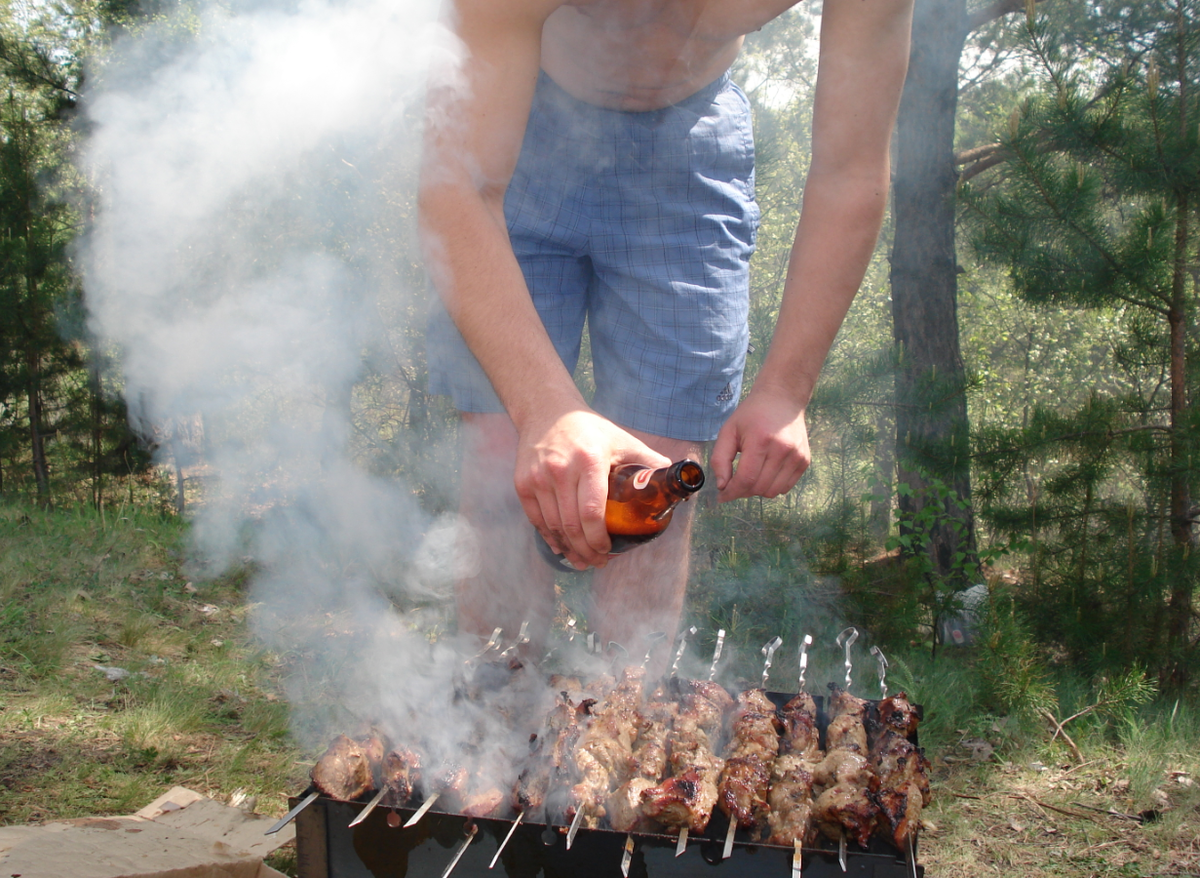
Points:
(252, 251)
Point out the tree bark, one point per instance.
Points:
(931, 407)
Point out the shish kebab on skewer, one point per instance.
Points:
(684, 801)
(667, 711)
(749, 756)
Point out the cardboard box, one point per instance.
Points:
(181, 834)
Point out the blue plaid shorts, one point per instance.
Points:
(643, 224)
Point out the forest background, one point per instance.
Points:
(1004, 436)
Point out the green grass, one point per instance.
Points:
(202, 705)
(196, 702)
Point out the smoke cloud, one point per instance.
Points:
(252, 261)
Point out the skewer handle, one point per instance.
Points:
(846, 639)
(683, 639)
(883, 666)
(712, 669)
(652, 640)
(804, 645)
(769, 651)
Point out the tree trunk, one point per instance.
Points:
(37, 438)
(1179, 607)
(931, 406)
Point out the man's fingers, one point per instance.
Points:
(592, 498)
(720, 460)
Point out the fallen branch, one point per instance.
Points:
(1058, 730)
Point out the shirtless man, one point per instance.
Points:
(593, 157)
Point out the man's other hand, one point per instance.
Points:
(767, 429)
(562, 480)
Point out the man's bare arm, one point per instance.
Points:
(864, 56)
(475, 129)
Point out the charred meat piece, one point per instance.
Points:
(401, 776)
(895, 715)
(345, 771)
(684, 799)
(901, 767)
(687, 797)
(753, 746)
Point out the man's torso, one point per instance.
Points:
(645, 54)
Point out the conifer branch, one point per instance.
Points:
(998, 9)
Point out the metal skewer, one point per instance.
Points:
(883, 666)
(420, 812)
(291, 815)
(627, 855)
(797, 864)
(522, 639)
(842, 850)
(769, 651)
(683, 639)
(574, 828)
(652, 640)
(712, 669)
(470, 829)
(366, 812)
(846, 639)
(730, 833)
(912, 853)
(504, 843)
(681, 845)
(804, 645)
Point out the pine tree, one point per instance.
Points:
(1088, 200)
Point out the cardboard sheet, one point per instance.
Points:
(181, 834)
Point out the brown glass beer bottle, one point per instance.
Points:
(640, 504)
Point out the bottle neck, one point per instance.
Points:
(685, 476)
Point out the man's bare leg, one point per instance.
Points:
(512, 584)
(642, 591)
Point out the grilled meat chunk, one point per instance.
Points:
(401, 776)
(753, 746)
(845, 780)
(345, 771)
(684, 799)
(790, 815)
(688, 796)
(902, 769)
(604, 756)
(800, 734)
